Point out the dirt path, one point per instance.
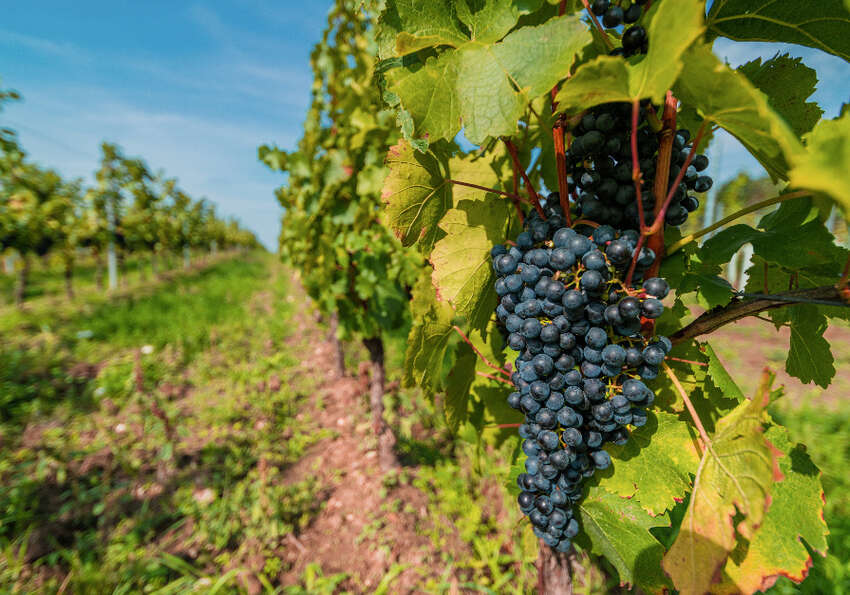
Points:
(357, 532)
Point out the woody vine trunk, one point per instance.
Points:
(383, 434)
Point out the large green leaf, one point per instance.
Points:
(619, 530)
(463, 274)
(654, 467)
(726, 98)
(735, 476)
(406, 26)
(672, 28)
(824, 25)
(490, 20)
(824, 165)
(485, 87)
(796, 511)
(809, 357)
(787, 82)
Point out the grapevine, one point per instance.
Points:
(614, 105)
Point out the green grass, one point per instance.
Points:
(44, 359)
(168, 487)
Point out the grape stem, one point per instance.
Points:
(515, 198)
(662, 173)
(478, 353)
(561, 162)
(686, 361)
(598, 26)
(535, 199)
(662, 176)
(496, 378)
(658, 224)
(636, 171)
(657, 227)
(706, 441)
(736, 215)
(739, 308)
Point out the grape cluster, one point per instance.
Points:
(600, 167)
(582, 357)
(612, 14)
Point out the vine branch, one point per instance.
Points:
(739, 308)
(658, 224)
(662, 175)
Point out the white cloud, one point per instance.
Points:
(65, 50)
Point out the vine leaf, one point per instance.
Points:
(734, 478)
(796, 511)
(417, 191)
(823, 166)
(821, 25)
(654, 467)
(458, 383)
(428, 339)
(620, 530)
(809, 357)
(489, 21)
(485, 87)
(712, 391)
(672, 28)
(406, 26)
(787, 82)
(463, 274)
(726, 98)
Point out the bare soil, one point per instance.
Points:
(365, 528)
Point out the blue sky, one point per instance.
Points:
(195, 87)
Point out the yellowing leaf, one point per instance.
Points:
(735, 476)
(417, 191)
(796, 511)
